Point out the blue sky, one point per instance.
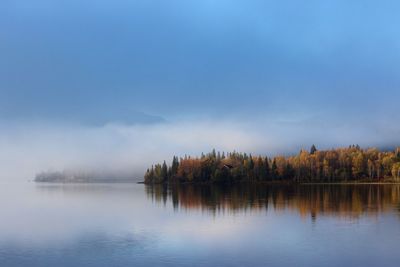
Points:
(64, 58)
(292, 72)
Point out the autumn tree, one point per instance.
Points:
(319, 166)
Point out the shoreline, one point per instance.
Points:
(278, 183)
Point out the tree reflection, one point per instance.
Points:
(307, 200)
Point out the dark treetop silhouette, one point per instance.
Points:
(336, 165)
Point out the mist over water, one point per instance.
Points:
(120, 150)
(113, 149)
(108, 88)
(131, 224)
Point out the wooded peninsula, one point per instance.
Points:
(320, 166)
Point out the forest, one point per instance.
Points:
(336, 165)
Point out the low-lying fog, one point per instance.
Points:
(127, 150)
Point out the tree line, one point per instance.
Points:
(342, 164)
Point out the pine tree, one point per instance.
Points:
(267, 169)
(213, 153)
(330, 165)
(313, 149)
(174, 166)
(164, 172)
(260, 169)
(274, 170)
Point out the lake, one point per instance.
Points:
(246, 225)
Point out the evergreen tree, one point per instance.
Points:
(260, 169)
(174, 166)
(313, 149)
(330, 165)
(214, 154)
(164, 172)
(267, 169)
(274, 170)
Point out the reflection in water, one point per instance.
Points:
(80, 189)
(308, 200)
(244, 225)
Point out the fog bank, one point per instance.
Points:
(127, 150)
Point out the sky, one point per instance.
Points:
(147, 79)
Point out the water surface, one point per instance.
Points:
(137, 225)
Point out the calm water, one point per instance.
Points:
(135, 225)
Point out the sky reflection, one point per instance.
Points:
(130, 224)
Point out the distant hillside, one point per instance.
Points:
(80, 177)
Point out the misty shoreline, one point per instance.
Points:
(65, 177)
